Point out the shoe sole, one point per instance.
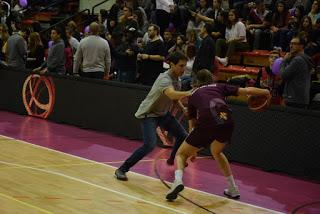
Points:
(120, 179)
(174, 194)
(230, 196)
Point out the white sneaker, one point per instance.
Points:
(176, 187)
(232, 192)
(223, 61)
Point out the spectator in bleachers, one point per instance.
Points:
(306, 26)
(72, 41)
(258, 25)
(186, 77)
(56, 57)
(68, 53)
(196, 22)
(193, 38)
(94, 54)
(219, 28)
(126, 21)
(103, 18)
(315, 11)
(147, 6)
(75, 33)
(141, 20)
(206, 52)
(16, 50)
(163, 10)
(315, 39)
(36, 51)
(179, 18)
(216, 9)
(126, 57)
(4, 35)
(203, 8)
(309, 33)
(114, 14)
(211, 15)
(168, 40)
(279, 25)
(180, 44)
(272, 80)
(295, 21)
(235, 39)
(3, 16)
(151, 58)
(295, 71)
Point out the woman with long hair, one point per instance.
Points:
(279, 25)
(4, 35)
(36, 51)
(235, 38)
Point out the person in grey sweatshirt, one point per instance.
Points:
(295, 71)
(17, 50)
(56, 56)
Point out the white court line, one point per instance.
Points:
(92, 184)
(89, 183)
(234, 201)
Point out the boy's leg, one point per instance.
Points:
(170, 124)
(149, 142)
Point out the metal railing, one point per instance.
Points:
(92, 10)
(65, 20)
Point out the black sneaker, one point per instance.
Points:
(176, 187)
(120, 175)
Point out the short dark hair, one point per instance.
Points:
(202, 77)
(156, 27)
(302, 39)
(176, 56)
(58, 30)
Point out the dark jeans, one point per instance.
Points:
(149, 125)
(127, 76)
(96, 75)
(230, 48)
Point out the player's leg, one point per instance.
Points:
(217, 152)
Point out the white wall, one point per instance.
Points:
(88, 4)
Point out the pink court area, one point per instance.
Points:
(274, 191)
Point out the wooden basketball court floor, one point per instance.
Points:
(34, 179)
(48, 167)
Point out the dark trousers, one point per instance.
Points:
(96, 75)
(149, 125)
(230, 48)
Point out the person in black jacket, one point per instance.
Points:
(206, 52)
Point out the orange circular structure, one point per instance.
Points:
(38, 94)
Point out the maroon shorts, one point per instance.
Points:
(204, 136)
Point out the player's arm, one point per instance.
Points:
(191, 123)
(253, 91)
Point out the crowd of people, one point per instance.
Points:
(131, 41)
(166, 45)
